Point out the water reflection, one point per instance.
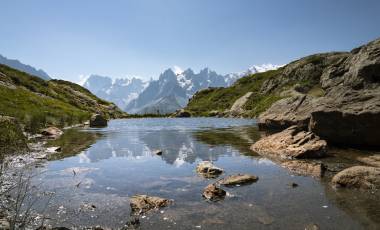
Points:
(178, 146)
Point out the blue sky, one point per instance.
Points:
(143, 37)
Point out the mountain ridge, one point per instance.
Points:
(16, 64)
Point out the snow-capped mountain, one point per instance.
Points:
(120, 91)
(16, 64)
(172, 91)
(252, 70)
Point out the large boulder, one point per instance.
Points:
(143, 203)
(97, 120)
(350, 101)
(12, 138)
(182, 113)
(293, 142)
(363, 177)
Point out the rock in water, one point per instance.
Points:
(12, 138)
(98, 120)
(208, 170)
(213, 193)
(305, 168)
(143, 203)
(291, 143)
(239, 179)
(363, 177)
(52, 132)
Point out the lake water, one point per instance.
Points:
(100, 169)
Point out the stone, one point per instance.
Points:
(238, 106)
(356, 129)
(133, 223)
(350, 102)
(305, 168)
(293, 185)
(208, 170)
(98, 121)
(52, 132)
(291, 143)
(213, 192)
(182, 113)
(238, 179)
(143, 203)
(362, 177)
(373, 160)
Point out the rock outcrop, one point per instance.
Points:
(348, 98)
(213, 192)
(182, 113)
(97, 120)
(291, 143)
(305, 168)
(362, 177)
(143, 203)
(12, 138)
(208, 170)
(238, 179)
(237, 107)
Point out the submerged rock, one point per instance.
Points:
(143, 203)
(293, 142)
(213, 192)
(208, 170)
(363, 177)
(305, 168)
(97, 120)
(52, 132)
(239, 179)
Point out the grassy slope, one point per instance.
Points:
(221, 99)
(37, 103)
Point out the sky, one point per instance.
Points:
(121, 38)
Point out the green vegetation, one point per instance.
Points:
(37, 103)
(11, 136)
(221, 99)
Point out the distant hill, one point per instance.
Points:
(16, 64)
(37, 103)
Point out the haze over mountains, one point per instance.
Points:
(171, 91)
(16, 64)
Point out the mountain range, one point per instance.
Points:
(170, 92)
(16, 64)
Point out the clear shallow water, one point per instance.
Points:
(116, 162)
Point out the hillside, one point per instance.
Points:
(337, 89)
(37, 103)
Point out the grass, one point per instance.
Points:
(37, 103)
(221, 99)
